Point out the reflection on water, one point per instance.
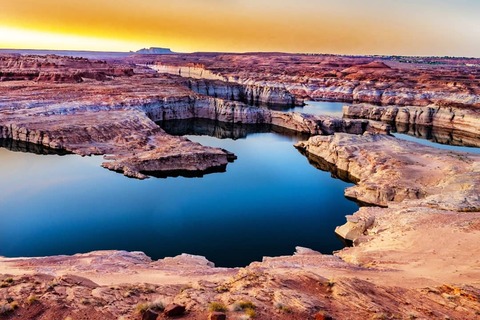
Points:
(207, 127)
(437, 137)
(223, 130)
(326, 108)
(324, 165)
(269, 201)
(21, 146)
(429, 135)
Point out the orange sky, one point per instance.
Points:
(422, 27)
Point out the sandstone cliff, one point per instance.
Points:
(445, 117)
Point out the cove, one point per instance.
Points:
(440, 138)
(267, 202)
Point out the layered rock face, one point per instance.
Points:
(251, 94)
(53, 68)
(390, 170)
(215, 85)
(451, 118)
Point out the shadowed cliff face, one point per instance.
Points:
(455, 121)
(217, 129)
(437, 134)
(22, 146)
(322, 164)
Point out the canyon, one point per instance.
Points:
(414, 253)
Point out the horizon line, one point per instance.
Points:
(245, 53)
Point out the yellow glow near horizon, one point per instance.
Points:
(427, 27)
(15, 38)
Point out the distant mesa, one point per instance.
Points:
(154, 50)
(374, 65)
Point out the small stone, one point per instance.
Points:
(174, 310)
(305, 251)
(322, 316)
(217, 316)
(149, 315)
(351, 218)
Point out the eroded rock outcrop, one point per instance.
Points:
(390, 170)
(450, 118)
(355, 227)
(252, 94)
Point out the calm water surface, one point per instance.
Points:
(319, 108)
(434, 144)
(269, 201)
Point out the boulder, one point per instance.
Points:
(149, 315)
(322, 316)
(354, 228)
(174, 310)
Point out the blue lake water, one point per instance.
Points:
(319, 108)
(269, 201)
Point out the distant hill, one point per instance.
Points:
(154, 50)
(71, 53)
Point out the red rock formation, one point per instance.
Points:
(341, 78)
(53, 68)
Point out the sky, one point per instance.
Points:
(402, 27)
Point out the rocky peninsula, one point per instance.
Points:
(415, 248)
